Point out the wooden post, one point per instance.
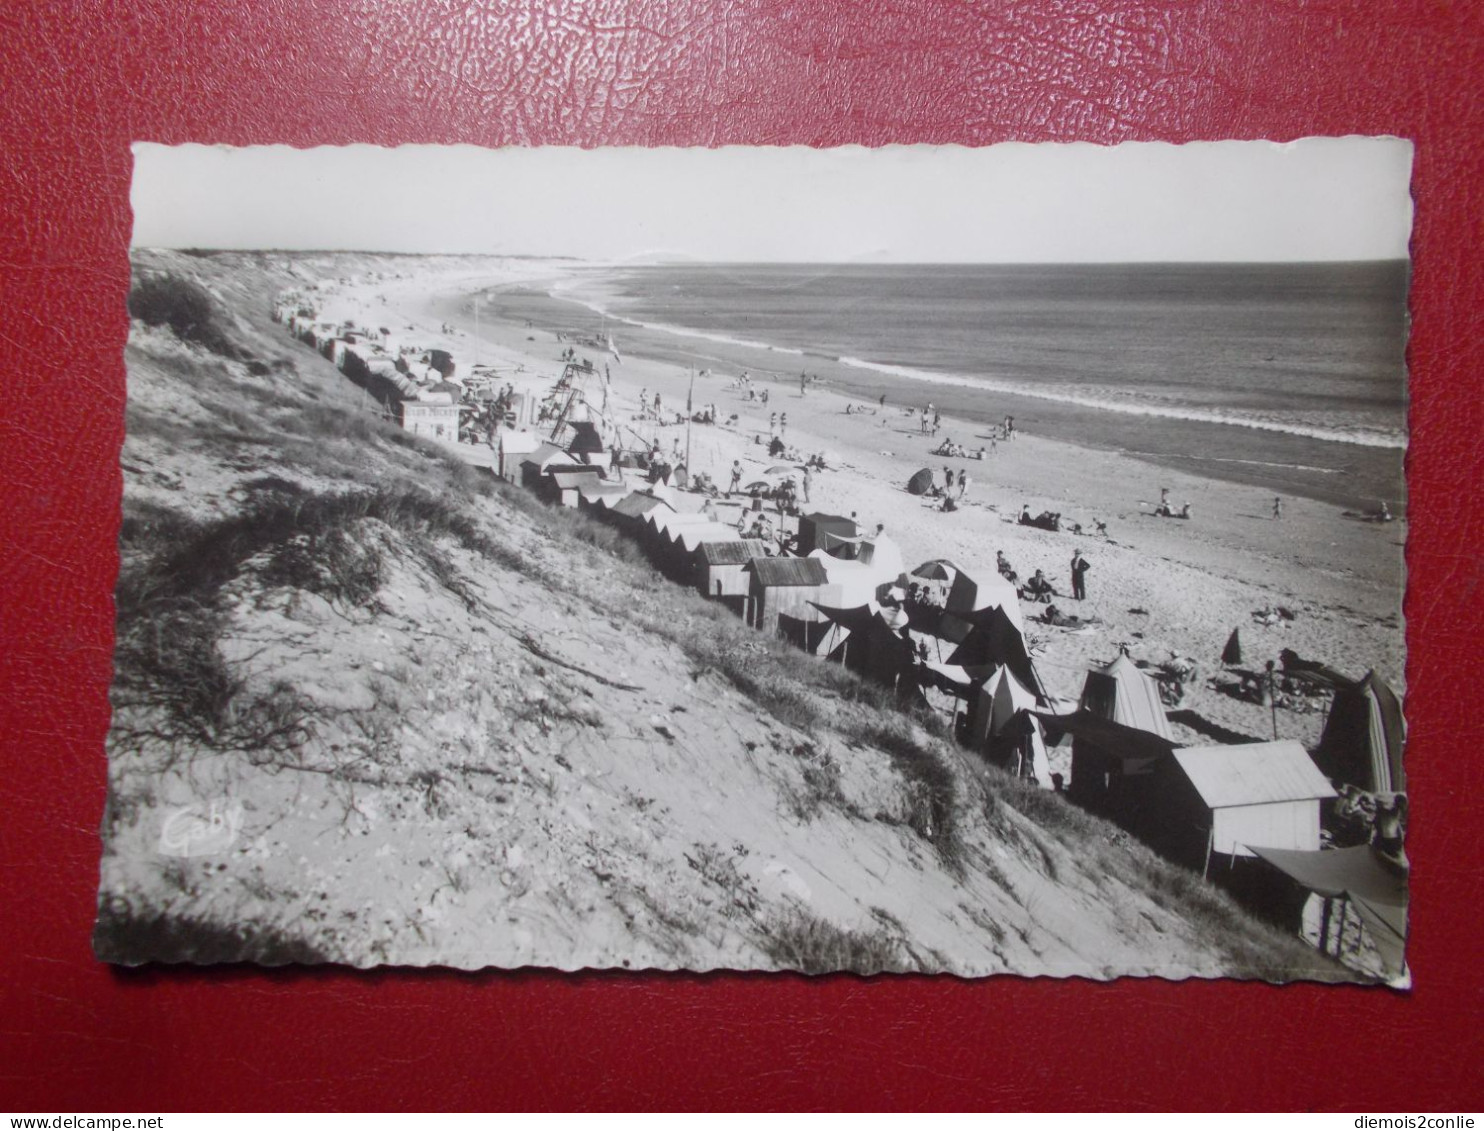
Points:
(1210, 845)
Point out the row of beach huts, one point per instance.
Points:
(1313, 841)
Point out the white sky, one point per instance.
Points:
(1315, 199)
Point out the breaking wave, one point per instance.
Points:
(1339, 434)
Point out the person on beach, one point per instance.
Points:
(765, 397)
(937, 419)
(808, 479)
(963, 483)
(736, 483)
(643, 402)
(656, 406)
(883, 400)
(1038, 588)
(1079, 576)
(772, 423)
(1277, 506)
(782, 423)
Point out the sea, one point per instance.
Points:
(1290, 378)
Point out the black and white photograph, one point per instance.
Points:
(918, 559)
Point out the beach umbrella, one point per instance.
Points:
(920, 483)
(936, 570)
(760, 485)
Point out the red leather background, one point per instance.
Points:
(82, 80)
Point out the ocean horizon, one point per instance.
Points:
(1286, 376)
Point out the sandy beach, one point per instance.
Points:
(1160, 587)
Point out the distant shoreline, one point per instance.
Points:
(1346, 475)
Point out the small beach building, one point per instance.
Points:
(719, 570)
(1228, 800)
(514, 449)
(783, 586)
(562, 486)
(630, 512)
(436, 419)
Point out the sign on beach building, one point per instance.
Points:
(435, 421)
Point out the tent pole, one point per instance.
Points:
(1210, 843)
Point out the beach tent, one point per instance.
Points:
(1111, 764)
(856, 581)
(1364, 736)
(921, 482)
(1003, 725)
(1231, 655)
(1000, 698)
(585, 440)
(812, 526)
(871, 647)
(783, 586)
(994, 640)
(1124, 694)
(983, 588)
(1364, 878)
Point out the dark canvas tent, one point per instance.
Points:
(812, 527)
(1364, 736)
(1232, 653)
(921, 482)
(872, 648)
(993, 639)
(1373, 883)
(1111, 762)
(585, 439)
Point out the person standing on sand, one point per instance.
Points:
(883, 400)
(1079, 575)
(1277, 506)
(808, 479)
(772, 423)
(782, 423)
(736, 477)
(963, 482)
(948, 476)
